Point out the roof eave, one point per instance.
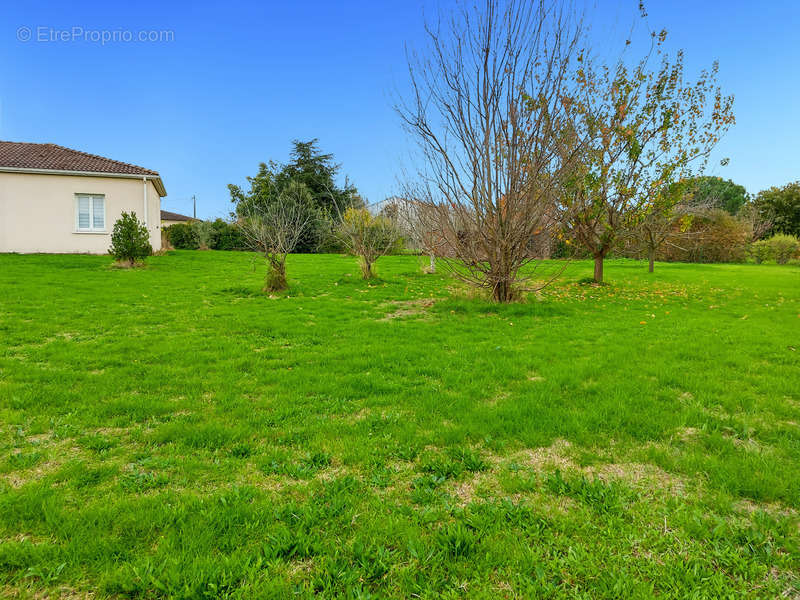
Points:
(155, 178)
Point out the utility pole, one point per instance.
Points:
(194, 207)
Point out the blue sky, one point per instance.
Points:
(239, 80)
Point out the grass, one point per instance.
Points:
(171, 432)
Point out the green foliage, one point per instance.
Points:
(715, 192)
(218, 234)
(783, 247)
(781, 205)
(760, 251)
(316, 171)
(130, 241)
(648, 128)
(181, 236)
(601, 496)
(227, 236)
(712, 237)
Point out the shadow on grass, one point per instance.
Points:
(532, 308)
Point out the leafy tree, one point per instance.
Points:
(130, 241)
(310, 167)
(715, 192)
(781, 206)
(644, 128)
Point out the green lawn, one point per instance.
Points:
(171, 432)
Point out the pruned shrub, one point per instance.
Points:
(130, 242)
(783, 247)
(368, 237)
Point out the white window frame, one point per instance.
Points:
(92, 199)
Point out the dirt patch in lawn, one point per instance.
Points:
(409, 308)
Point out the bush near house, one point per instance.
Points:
(181, 236)
(214, 235)
(130, 242)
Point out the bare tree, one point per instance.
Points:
(489, 109)
(759, 222)
(274, 229)
(367, 236)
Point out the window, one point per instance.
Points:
(90, 212)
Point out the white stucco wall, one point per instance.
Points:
(37, 212)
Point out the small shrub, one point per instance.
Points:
(368, 237)
(130, 241)
(783, 247)
(760, 251)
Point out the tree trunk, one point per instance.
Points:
(275, 281)
(502, 292)
(366, 268)
(598, 268)
(432, 268)
(651, 256)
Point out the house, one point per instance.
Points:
(170, 218)
(58, 200)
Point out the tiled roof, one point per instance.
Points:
(171, 216)
(24, 155)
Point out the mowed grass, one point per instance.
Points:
(171, 432)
